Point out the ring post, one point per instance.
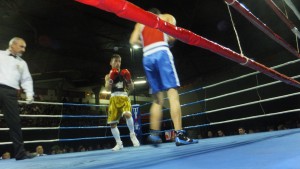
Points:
(136, 115)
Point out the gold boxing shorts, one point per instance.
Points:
(118, 105)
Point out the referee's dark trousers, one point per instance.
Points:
(11, 111)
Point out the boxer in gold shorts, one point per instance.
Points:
(119, 83)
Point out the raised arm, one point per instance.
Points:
(135, 35)
(170, 19)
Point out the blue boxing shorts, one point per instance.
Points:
(160, 71)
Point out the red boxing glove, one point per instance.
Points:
(126, 75)
(113, 74)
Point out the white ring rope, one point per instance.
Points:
(36, 102)
(254, 102)
(293, 8)
(228, 94)
(236, 34)
(209, 99)
(207, 112)
(250, 74)
(214, 123)
(246, 118)
(231, 80)
(231, 2)
(64, 104)
(248, 89)
(235, 106)
(56, 128)
(33, 115)
(34, 141)
(33, 128)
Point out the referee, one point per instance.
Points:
(13, 74)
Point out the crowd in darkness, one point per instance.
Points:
(289, 121)
(36, 109)
(283, 122)
(58, 148)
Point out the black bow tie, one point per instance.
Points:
(13, 55)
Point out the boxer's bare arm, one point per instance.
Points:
(170, 19)
(135, 35)
(107, 84)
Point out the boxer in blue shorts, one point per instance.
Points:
(157, 77)
(161, 75)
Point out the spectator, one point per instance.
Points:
(221, 133)
(210, 134)
(5, 156)
(39, 150)
(242, 131)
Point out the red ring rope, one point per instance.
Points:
(263, 27)
(127, 10)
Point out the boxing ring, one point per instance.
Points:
(204, 108)
(273, 150)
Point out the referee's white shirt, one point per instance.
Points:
(14, 72)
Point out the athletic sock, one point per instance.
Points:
(130, 124)
(116, 133)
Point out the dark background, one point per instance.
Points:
(71, 42)
(69, 46)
